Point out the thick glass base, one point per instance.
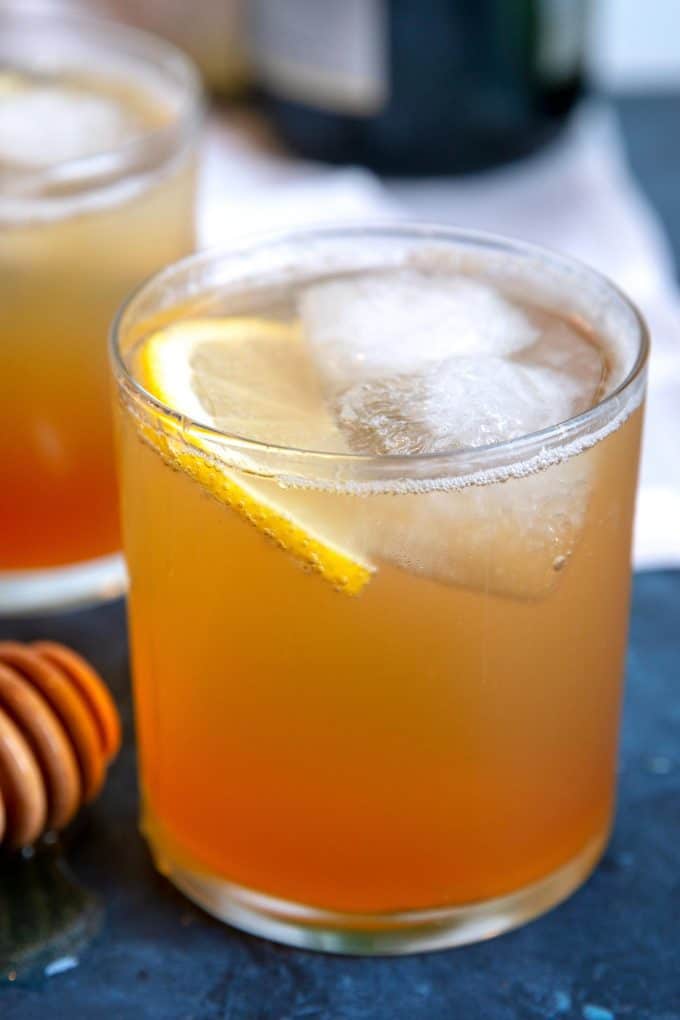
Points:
(25, 592)
(380, 934)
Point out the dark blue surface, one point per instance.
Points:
(650, 129)
(613, 950)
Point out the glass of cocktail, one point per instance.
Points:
(97, 139)
(377, 487)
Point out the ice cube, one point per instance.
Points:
(364, 327)
(44, 125)
(512, 538)
(462, 401)
(423, 364)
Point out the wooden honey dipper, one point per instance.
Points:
(59, 730)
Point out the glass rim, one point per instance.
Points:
(557, 435)
(141, 46)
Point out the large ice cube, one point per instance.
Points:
(41, 126)
(510, 538)
(466, 401)
(423, 364)
(364, 327)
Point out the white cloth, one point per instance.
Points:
(578, 196)
(247, 186)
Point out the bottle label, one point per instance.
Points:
(324, 53)
(562, 26)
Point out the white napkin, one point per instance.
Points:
(578, 196)
(247, 186)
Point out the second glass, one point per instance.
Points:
(97, 178)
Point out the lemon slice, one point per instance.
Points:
(252, 376)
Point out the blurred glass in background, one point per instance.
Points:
(98, 133)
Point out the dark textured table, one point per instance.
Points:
(143, 951)
(90, 931)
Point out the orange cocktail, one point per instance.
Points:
(378, 642)
(96, 192)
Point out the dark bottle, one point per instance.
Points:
(419, 86)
